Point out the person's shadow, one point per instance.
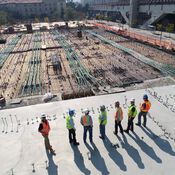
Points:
(52, 168)
(145, 148)
(163, 144)
(79, 160)
(96, 159)
(132, 152)
(114, 154)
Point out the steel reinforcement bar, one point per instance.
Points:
(83, 77)
(33, 84)
(163, 68)
(4, 54)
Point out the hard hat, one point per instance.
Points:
(102, 108)
(132, 100)
(71, 112)
(145, 97)
(86, 111)
(43, 116)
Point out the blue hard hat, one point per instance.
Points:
(145, 97)
(71, 112)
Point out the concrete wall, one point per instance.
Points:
(156, 11)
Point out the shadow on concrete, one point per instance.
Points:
(52, 168)
(132, 152)
(114, 154)
(79, 160)
(96, 159)
(163, 144)
(145, 148)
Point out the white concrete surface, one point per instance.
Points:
(149, 151)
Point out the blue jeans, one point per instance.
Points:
(89, 129)
(144, 114)
(102, 131)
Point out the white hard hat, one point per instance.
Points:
(43, 115)
(132, 100)
(86, 111)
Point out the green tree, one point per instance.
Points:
(69, 14)
(3, 18)
(170, 28)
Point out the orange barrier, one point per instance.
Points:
(144, 38)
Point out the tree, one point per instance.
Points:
(170, 28)
(69, 14)
(3, 18)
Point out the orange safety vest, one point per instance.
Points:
(119, 114)
(86, 121)
(147, 108)
(46, 128)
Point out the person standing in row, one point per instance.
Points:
(71, 127)
(87, 123)
(103, 121)
(144, 108)
(44, 129)
(118, 118)
(132, 112)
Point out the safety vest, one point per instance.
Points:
(46, 128)
(147, 107)
(68, 125)
(130, 113)
(86, 120)
(119, 114)
(103, 118)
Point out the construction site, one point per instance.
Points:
(78, 62)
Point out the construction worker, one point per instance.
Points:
(44, 129)
(144, 108)
(118, 118)
(103, 121)
(132, 112)
(86, 121)
(71, 127)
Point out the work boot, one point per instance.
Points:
(52, 152)
(126, 131)
(137, 124)
(70, 141)
(76, 143)
(101, 137)
(115, 133)
(144, 125)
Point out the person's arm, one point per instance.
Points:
(91, 121)
(143, 106)
(72, 123)
(121, 114)
(40, 128)
(133, 110)
(81, 120)
(48, 125)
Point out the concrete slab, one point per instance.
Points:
(149, 151)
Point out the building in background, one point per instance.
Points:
(134, 12)
(32, 8)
